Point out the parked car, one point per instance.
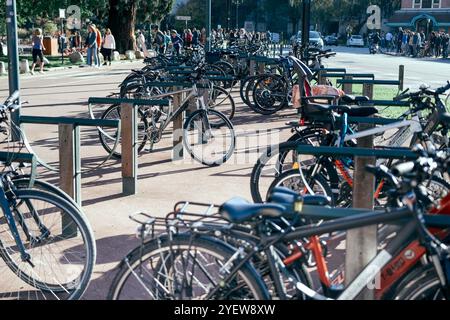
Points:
(331, 41)
(355, 41)
(314, 39)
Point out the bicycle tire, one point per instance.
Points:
(141, 129)
(82, 226)
(189, 124)
(156, 246)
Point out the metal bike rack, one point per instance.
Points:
(69, 148)
(129, 135)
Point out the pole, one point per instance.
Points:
(306, 14)
(13, 54)
(61, 41)
(208, 26)
(237, 14)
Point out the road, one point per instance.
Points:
(434, 72)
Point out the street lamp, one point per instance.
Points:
(237, 3)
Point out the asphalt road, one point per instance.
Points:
(434, 72)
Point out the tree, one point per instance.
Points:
(124, 14)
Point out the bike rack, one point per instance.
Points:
(69, 149)
(129, 135)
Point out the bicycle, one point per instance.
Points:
(46, 241)
(202, 131)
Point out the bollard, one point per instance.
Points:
(177, 136)
(361, 243)
(2, 68)
(24, 66)
(252, 67)
(401, 77)
(69, 171)
(322, 77)
(261, 67)
(129, 148)
(347, 87)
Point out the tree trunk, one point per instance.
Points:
(122, 19)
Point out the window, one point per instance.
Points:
(417, 4)
(426, 4)
(436, 4)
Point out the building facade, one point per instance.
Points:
(422, 15)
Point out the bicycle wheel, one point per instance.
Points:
(221, 100)
(207, 143)
(270, 94)
(60, 243)
(183, 267)
(279, 158)
(292, 179)
(229, 71)
(421, 284)
(108, 135)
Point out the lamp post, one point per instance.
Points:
(306, 20)
(208, 26)
(237, 3)
(13, 55)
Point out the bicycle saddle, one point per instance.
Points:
(352, 111)
(287, 197)
(239, 210)
(351, 99)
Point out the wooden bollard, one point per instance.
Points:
(361, 243)
(69, 171)
(348, 87)
(177, 136)
(401, 77)
(129, 148)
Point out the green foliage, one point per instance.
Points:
(49, 28)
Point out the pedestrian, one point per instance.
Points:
(203, 36)
(399, 40)
(109, 44)
(158, 39)
(188, 38)
(141, 43)
(177, 42)
(445, 46)
(98, 40)
(388, 38)
(75, 41)
(195, 37)
(91, 45)
(167, 41)
(38, 48)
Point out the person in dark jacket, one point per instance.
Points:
(177, 42)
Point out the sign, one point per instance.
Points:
(249, 26)
(62, 13)
(183, 18)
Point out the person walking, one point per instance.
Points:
(38, 48)
(141, 43)
(188, 37)
(91, 45)
(167, 41)
(158, 39)
(177, 42)
(399, 40)
(195, 37)
(109, 45)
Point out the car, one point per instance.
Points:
(315, 39)
(355, 41)
(331, 41)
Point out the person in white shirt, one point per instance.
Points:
(141, 43)
(109, 45)
(389, 38)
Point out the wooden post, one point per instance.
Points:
(252, 67)
(321, 77)
(348, 87)
(129, 148)
(261, 67)
(361, 244)
(69, 171)
(177, 135)
(401, 77)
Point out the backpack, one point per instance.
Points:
(99, 38)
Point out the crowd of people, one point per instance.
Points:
(172, 41)
(417, 43)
